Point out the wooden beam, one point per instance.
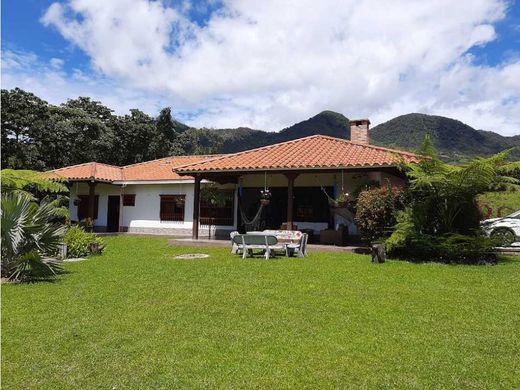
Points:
(196, 208)
(91, 201)
(290, 199)
(222, 179)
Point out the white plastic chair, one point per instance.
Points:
(300, 249)
(235, 248)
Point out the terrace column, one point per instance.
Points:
(121, 199)
(290, 199)
(91, 201)
(196, 208)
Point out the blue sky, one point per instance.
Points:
(270, 64)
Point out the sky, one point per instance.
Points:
(269, 64)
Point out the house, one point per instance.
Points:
(302, 175)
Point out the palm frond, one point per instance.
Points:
(29, 238)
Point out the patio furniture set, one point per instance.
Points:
(270, 243)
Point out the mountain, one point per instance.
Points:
(242, 138)
(455, 140)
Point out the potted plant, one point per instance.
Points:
(342, 200)
(213, 195)
(265, 197)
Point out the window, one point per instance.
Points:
(172, 207)
(222, 214)
(83, 207)
(129, 200)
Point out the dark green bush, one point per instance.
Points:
(448, 248)
(441, 221)
(376, 210)
(80, 243)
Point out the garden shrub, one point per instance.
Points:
(29, 238)
(447, 248)
(80, 243)
(442, 220)
(376, 211)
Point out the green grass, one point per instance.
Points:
(136, 318)
(495, 200)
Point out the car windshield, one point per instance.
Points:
(516, 215)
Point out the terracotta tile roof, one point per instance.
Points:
(160, 169)
(316, 151)
(89, 171)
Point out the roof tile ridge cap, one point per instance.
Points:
(107, 165)
(229, 155)
(168, 157)
(93, 174)
(200, 162)
(72, 166)
(382, 148)
(214, 157)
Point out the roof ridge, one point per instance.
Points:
(368, 145)
(386, 149)
(167, 157)
(229, 155)
(71, 166)
(85, 164)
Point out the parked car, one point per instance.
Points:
(507, 228)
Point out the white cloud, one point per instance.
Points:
(267, 64)
(50, 82)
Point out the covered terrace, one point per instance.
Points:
(303, 176)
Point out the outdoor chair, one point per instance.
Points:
(251, 242)
(300, 249)
(285, 237)
(235, 246)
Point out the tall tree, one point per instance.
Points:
(162, 142)
(133, 135)
(92, 125)
(24, 120)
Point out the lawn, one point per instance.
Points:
(137, 318)
(508, 200)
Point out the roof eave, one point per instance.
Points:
(261, 170)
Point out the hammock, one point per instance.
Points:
(332, 202)
(254, 223)
(342, 212)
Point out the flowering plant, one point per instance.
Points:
(265, 194)
(343, 197)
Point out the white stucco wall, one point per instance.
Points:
(145, 215)
(103, 190)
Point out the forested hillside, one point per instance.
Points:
(454, 139)
(38, 135)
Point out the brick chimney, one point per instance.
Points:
(359, 131)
